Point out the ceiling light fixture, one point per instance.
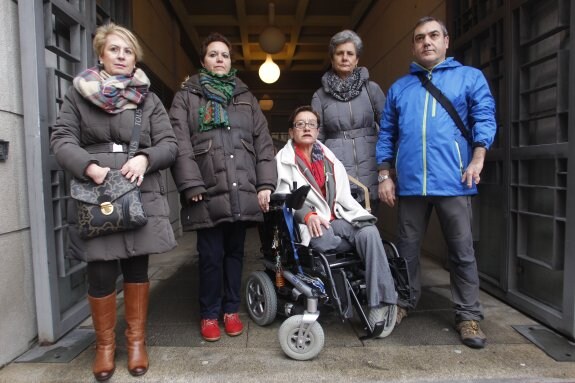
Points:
(266, 104)
(269, 71)
(272, 40)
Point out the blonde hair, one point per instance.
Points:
(107, 29)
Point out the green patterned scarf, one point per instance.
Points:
(218, 89)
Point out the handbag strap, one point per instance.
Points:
(444, 101)
(135, 141)
(376, 116)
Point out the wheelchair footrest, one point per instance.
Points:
(377, 330)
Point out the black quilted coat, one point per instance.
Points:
(228, 166)
(82, 124)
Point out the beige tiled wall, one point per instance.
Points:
(160, 37)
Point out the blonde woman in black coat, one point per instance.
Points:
(91, 136)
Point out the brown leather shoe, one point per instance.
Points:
(401, 313)
(104, 321)
(471, 334)
(136, 302)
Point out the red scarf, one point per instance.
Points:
(316, 167)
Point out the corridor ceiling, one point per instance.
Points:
(306, 24)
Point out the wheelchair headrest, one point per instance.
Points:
(297, 197)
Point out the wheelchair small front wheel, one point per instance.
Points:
(301, 345)
(261, 298)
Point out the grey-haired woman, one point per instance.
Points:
(349, 106)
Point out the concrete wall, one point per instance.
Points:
(387, 34)
(18, 327)
(159, 35)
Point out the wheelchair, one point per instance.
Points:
(298, 281)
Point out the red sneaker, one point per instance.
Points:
(210, 330)
(233, 324)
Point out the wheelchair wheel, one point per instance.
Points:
(390, 249)
(300, 347)
(261, 298)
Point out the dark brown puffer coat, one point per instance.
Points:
(228, 166)
(81, 124)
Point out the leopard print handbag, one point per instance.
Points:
(111, 207)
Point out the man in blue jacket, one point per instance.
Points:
(437, 166)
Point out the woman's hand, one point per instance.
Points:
(96, 173)
(264, 199)
(196, 198)
(314, 224)
(135, 168)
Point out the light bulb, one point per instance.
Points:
(269, 71)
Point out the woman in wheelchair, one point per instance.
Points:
(331, 219)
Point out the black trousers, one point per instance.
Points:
(221, 253)
(102, 275)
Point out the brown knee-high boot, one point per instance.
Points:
(136, 303)
(104, 320)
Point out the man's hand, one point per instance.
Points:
(386, 192)
(474, 168)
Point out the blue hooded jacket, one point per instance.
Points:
(418, 135)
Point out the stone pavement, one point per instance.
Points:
(424, 348)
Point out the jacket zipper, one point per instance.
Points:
(424, 142)
(459, 158)
(397, 165)
(353, 143)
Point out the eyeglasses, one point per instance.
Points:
(300, 125)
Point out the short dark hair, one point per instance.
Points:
(429, 19)
(212, 37)
(298, 110)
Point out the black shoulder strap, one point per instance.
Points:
(376, 116)
(135, 141)
(444, 101)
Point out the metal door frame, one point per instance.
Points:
(472, 27)
(47, 193)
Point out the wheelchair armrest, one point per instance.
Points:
(293, 200)
(365, 190)
(279, 197)
(296, 199)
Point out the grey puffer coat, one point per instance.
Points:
(81, 124)
(228, 166)
(349, 129)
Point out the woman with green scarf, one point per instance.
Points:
(225, 172)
